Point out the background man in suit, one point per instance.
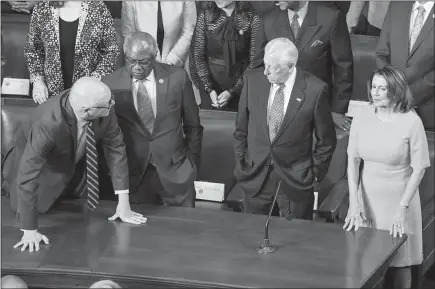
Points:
(156, 108)
(171, 23)
(49, 152)
(343, 6)
(320, 33)
(366, 17)
(407, 41)
(278, 113)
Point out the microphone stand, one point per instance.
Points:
(266, 248)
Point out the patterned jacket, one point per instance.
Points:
(96, 49)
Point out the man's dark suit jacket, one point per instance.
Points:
(176, 157)
(343, 6)
(331, 60)
(292, 151)
(41, 162)
(418, 65)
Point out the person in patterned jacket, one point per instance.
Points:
(222, 49)
(68, 40)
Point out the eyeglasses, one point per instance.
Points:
(141, 62)
(108, 107)
(278, 67)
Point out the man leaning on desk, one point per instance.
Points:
(54, 155)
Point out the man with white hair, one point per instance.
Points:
(54, 155)
(280, 110)
(156, 109)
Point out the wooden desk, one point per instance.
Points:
(194, 248)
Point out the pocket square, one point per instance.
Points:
(316, 43)
(298, 99)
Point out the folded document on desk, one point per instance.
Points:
(210, 191)
(15, 86)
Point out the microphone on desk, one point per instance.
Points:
(266, 248)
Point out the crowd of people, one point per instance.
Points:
(287, 72)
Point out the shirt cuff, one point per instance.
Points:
(34, 78)
(117, 192)
(28, 230)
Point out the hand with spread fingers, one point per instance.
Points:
(22, 6)
(355, 218)
(31, 240)
(124, 212)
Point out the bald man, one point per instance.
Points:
(12, 281)
(56, 146)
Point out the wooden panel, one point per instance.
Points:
(187, 247)
(364, 63)
(217, 154)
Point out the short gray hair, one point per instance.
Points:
(140, 40)
(283, 50)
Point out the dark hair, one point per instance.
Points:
(398, 91)
(56, 4)
(242, 8)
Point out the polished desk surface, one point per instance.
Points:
(195, 248)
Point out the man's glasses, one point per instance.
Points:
(108, 107)
(141, 62)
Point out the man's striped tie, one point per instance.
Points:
(276, 114)
(91, 168)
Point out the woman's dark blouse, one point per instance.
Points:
(208, 42)
(67, 38)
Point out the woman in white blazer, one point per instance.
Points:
(178, 17)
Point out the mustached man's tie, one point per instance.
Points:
(144, 107)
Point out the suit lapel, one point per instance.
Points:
(82, 20)
(424, 33)
(55, 24)
(297, 98)
(309, 27)
(263, 90)
(162, 82)
(403, 16)
(284, 23)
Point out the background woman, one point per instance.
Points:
(68, 40)
(391, 141)
(222, 49)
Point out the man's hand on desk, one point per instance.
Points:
(22, 6)
(124, 212)
(31, 239)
